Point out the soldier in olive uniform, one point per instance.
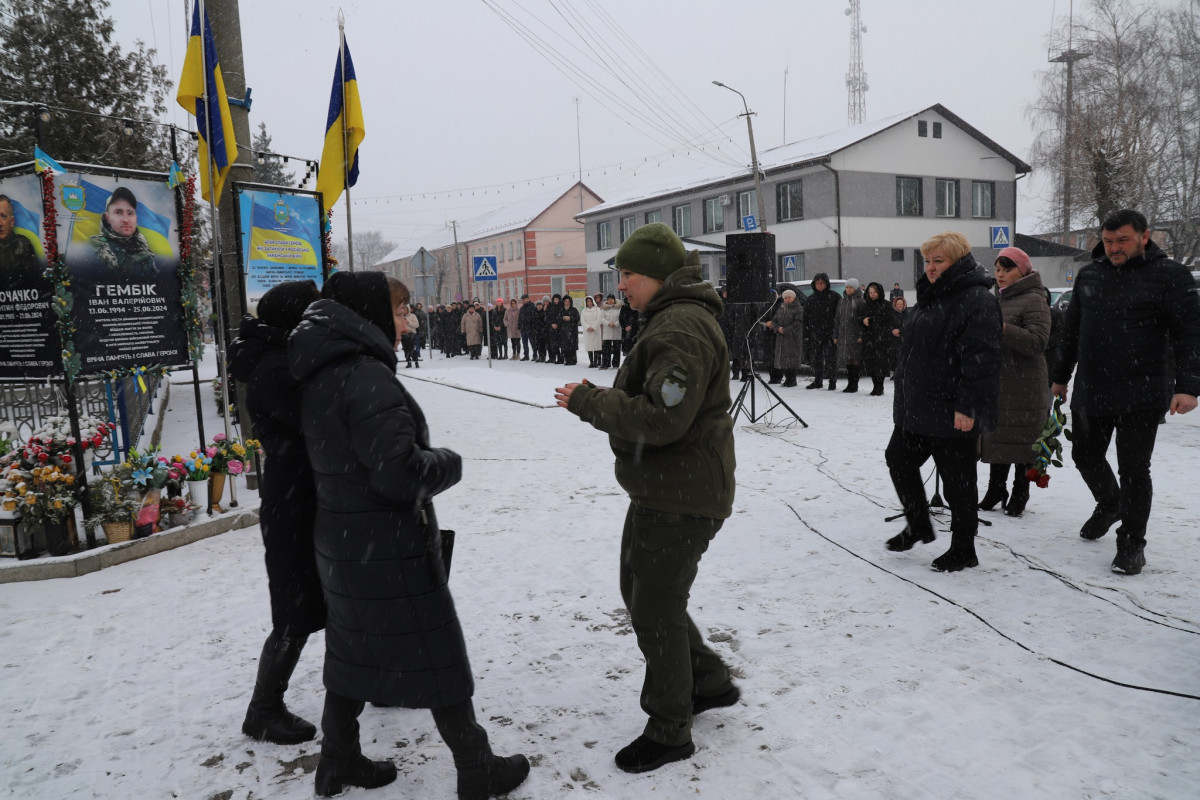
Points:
(667, 417)
(18, 261)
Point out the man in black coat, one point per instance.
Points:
(1131, 307)
(258, 358)
(947, 389)
(820, 323)
(525, 325)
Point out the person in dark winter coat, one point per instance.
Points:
(820, 327)
(667, 417)
(568, 331)
(878, 321)
(787, 323)
(899, 311)
(554, 320)
(1130, 308)
(848, 334)
(1023, 402)
(630, 322)
(525, 324)
(767, 336)
(258, 358)
(392, 636)
(541, 331)
(946, 386)
(497, 330)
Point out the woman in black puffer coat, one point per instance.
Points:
(258, 358)
(392, 635)
(878, 321)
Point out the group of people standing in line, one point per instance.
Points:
(549, 330)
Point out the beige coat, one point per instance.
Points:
(472, 327)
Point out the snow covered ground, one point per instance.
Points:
(865, 674)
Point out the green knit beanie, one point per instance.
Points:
(652, 250)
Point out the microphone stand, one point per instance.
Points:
(748, 387)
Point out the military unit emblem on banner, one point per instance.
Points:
(73, 197)
(282, 212)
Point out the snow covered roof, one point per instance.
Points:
(509, 217)
(791, 155)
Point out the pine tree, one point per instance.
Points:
(271, 170)
(61, 54)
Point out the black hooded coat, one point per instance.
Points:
(258, 358)
(950, 354)
(392, 634)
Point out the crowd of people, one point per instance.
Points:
(352, 542)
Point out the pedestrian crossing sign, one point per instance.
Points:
(485, 268)
(789, 264)
(1001, 236)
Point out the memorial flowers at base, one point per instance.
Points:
(42, 493)
(52, 441)
(1048, 449)
(229, 455)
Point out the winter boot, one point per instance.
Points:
(747, 376)
(816, 384)
(832, 383)
(1020, 492)
(267, 718)
(480, 773)
(789, 379)
(1130, 553)
(996, 490)
(906, 539)
(342, 763)
(960, 556)
(776, 376)
(1099, 522)
(723, 699)
(643, 754)
(876, 386)
(851, 379)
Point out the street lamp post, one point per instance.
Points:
(761, 216)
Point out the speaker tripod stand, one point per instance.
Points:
(748, 390)
(937, 506)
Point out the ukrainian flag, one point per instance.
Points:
(339, 170)
(278, 243)
(155, 228)
(201, 80)
(28, 224)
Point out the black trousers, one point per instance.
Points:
(955, 459)
(1136, 432)
(822, 356)
(467, 740)
(611, 354)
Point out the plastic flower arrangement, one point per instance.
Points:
(195, 467)
(1048, 448)
(177, 505)
(42, 493)
(229, 455)
(148, 470)
(54, 440)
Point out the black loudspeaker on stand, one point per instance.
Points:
(745, 312)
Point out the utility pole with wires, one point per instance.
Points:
(761, 216)
(1069, 55)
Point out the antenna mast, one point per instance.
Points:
(856, 78)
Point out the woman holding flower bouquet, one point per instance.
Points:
(392, 636)
(1023, 401)
(258, 358)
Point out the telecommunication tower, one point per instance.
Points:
(856, 78)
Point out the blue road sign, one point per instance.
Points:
(749, 223)
(789, 264)
(485, 268)
(1001, 236)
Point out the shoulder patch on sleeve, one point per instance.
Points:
(674, 386)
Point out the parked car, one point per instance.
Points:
(1060, 297)
(805, 287)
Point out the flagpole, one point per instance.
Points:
(345, 140)
(212, 211)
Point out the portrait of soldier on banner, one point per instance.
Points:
(18, 254)
(120, 246)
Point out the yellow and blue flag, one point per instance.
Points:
(43, 162)
(29, 225)
(202, 93)
(339, 168)
(154, 227)
(176, 177)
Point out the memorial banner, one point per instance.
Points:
(280, 237)
(29, 344)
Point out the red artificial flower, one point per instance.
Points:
(1043, 480)
(66, 459)
(1032, 474)
(43, 457)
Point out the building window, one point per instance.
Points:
(745, 206)
(793, 260)
(937, 130)
(897, 254)
(603, 235)
(654, 216)
(922, 128)
(983, 199)
(946, 197)
(714, 215)
(627, 226)
(681, 220)
(500, 251)
(908, 197)
(557, 285)
(789, 199)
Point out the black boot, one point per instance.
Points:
(833, 382)
(816, 384)
(876, 385)
(789, 379)
(1099, 522)
(342, 763)
(747, 376)
(1130, 553)
(960, 556)
(996, 492)
(851, 379)
(267, 718)
(480, 773)
(906, 539)
(776, 376)
(1020, 492)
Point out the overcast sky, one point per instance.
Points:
(462, 109)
